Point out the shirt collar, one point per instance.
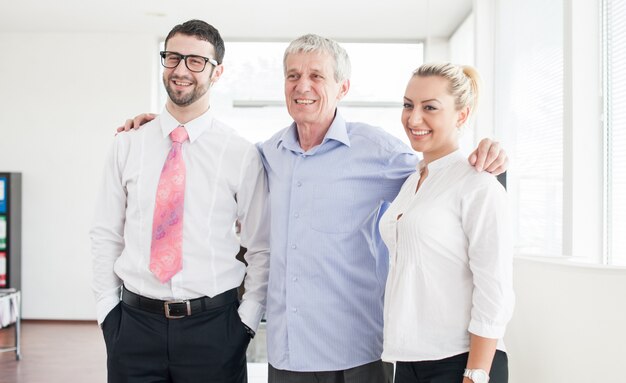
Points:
(337, 132)
(442, 162)
(194, 127)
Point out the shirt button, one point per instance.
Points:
(295, 310)
(295, 279)
(299, 183)
(293, 246)
(296, 215)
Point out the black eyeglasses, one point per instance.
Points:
(193, 62)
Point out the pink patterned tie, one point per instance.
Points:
(166, 252)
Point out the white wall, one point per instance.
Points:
(61, 97)
(436, 49)
(461, 45)
(569, 323)
(484, 59)
(461, 51)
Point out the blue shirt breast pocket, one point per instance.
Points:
(334, 210)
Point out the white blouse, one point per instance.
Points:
(450, 262)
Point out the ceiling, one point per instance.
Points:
(347, 20)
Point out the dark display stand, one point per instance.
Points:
(11, 253)
(11, 229)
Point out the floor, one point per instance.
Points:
(73, 351)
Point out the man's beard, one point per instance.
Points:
(185, 98)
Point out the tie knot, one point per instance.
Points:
(179, 134)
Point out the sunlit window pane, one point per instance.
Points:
(529, 103)
(615, 43)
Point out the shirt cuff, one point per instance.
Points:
(492, 331)
(105, 306)
(251, 313)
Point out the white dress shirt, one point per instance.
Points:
(225, 182)
(450, 263)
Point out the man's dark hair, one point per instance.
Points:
(203, 31)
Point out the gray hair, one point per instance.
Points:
(317, 44)
(464, 82)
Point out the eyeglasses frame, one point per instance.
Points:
(184, 58)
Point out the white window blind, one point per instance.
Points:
(614, 35)
(529, 113)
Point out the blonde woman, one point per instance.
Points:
(449, 291)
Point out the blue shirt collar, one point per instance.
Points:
(336, 132)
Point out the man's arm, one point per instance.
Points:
(253, 214)
(489, 156)
(107, 236)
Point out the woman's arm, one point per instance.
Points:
(486, 224)
(482, 351)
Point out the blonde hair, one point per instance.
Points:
(464, 82)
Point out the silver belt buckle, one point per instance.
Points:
(166, 306)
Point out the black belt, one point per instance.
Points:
(178, 308)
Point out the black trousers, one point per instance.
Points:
(143, 347)
(449, 370)
(374, 372)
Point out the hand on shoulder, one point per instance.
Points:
(137, 122)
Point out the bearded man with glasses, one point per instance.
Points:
(163, 238)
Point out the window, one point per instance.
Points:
(529, 115)
(614, 84)
(250, 97)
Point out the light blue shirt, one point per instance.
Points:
(328, 265)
